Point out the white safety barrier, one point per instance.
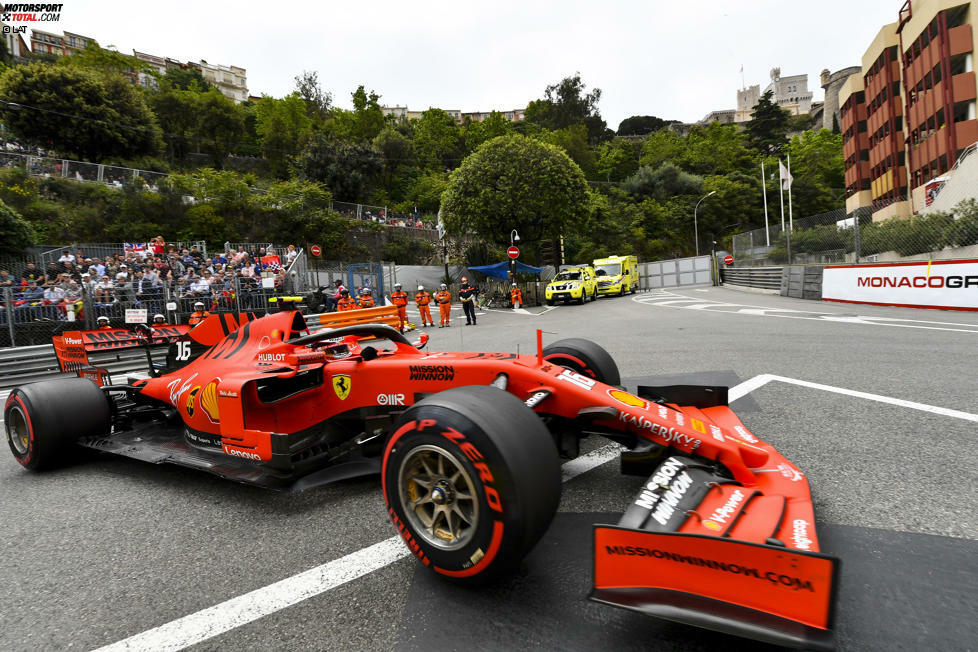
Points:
(944, 284)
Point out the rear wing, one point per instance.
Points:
(72, 347)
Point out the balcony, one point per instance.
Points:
(963, 86)
(966, 133)
(960, 39)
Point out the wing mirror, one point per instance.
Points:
(422, 341)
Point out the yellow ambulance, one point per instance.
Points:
(617, 274)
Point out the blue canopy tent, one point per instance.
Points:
(500, 270)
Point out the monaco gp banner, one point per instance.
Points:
(944, 284)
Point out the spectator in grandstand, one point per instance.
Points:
(196, 255)
(158, 246)
(104, 290)
(32, 273)
(6, 280)
(290, 255)
(239, 256)
(72, 271)
(66, 257)
(198, 286)
(87, 283)
(177, 267)
(32, 293)
(54, 294)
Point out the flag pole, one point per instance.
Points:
(767, 230)
(791, 223)
(781, 192)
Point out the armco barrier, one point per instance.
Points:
(768, 278)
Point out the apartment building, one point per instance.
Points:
(403, 113)
(47, 43)
(917, 91)
(232, 81)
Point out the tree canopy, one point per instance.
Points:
(515, 182)
(78, 112)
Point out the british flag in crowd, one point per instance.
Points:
(135, 247)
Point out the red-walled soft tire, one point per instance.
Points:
(43, 420)
(472, 481)
(584, 357)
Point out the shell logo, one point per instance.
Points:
(208, 401)
(190, 400)
(628, 399)
(712, 525)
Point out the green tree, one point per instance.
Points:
(318, 102)
(663, 182)
(16, 233)
(640, 125)
(817, 168)
(661, 146)
(301, 213)
(574, 141)
(220, 125)
(397, 152)
(768, 127)
(283, 128)
(364, 122)
(716, 149)
(437, 140)
(78, 113)
(186, 79)
(514, 182)
(107, 61)
(565, 104)
(347, 170)
(618, 159)
(427, 192)
(475, 133)
(177, 112)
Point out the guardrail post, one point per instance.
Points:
(8, 302)
(88, 308)
(101, 172)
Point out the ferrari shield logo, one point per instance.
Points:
(341, 385)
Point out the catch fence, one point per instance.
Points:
(840, 237)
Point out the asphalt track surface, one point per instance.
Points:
(880, 414)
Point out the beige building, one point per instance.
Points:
(790, 93)
(914, 104)
(403, 113)
(156, 63)
(232, 81)
(47, 43)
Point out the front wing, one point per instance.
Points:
(764, 592)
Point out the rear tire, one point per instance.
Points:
(471, 479)
(550, 302)
(584, 357)
(43, 420)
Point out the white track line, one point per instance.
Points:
(759, 381)
(223, 617)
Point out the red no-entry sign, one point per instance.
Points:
(315, 250)
(728, 260)
(513, 252)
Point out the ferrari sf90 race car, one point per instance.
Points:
(468, 448)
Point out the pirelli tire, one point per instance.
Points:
(43, 420)
(584, 357)
(471, 478)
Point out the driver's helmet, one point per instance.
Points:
(365, 291)
(199, 305)
(158, 319)
(102, 320)
(344, 292)
(442, 287)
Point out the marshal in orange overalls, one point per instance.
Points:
(366, 301)
(400, 299)
(444, 300)
(423, 299)
(346, 303)
(516, 296)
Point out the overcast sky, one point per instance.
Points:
(674, 59)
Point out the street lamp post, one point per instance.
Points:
(696, 231)
(514, 237)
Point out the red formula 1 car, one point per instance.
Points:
(468, 446)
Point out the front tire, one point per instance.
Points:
(472, 480)
(43, 420)
(584, 357)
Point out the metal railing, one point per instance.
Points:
(758, 277)
(837, 237)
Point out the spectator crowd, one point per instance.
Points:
(146, 276)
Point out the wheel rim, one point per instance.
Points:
(438, 497)
(18, 432)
